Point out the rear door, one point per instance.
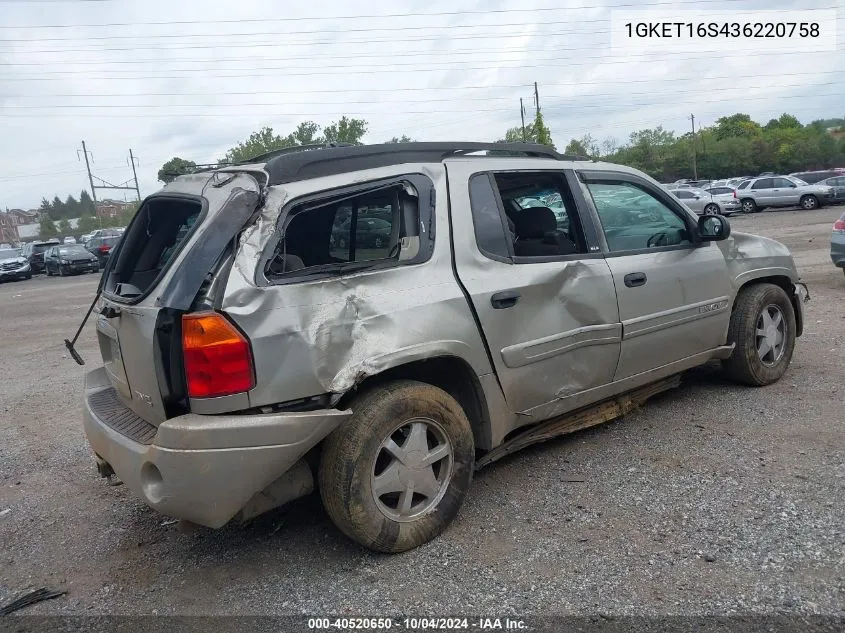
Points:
(537, 281)
(673, 293)
(166, 253)
(762, 191)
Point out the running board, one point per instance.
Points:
(575, 421)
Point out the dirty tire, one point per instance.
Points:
(349, 457)
(745, 366)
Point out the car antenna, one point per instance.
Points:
(70, 344)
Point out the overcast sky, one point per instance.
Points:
(208, 73)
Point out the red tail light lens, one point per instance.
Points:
(218, 359)
(734, 193)
(104, 248)
(839, 225)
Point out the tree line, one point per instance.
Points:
(55, 216)
(735, 145)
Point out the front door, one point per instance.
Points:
(785, 193)
(538, 283)
(674, 293)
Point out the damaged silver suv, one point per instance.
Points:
(380, 321)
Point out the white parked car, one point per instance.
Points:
(70, 240)
(704, 202)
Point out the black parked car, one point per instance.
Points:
(13, 265)
(34, 253)
(68, 259)
(101, 246)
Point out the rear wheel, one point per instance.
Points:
(395, 475)
(711, 209)
(763, 328)
(808, 203)
(749, 206)
(47, 271)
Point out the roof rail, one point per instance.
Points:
(263, 158)
(289, 166)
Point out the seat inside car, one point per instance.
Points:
(537, 234)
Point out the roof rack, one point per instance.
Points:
(290, 165)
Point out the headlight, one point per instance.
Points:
(63, 261)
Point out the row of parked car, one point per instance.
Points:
(57, 257)
(751, 194)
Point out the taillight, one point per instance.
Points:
(734, 193)
(218, 360)
(839, 225)
(104, 248)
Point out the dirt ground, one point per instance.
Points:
(712, 499)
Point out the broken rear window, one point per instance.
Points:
(346, 232)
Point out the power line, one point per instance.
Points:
(346, 72)
(368, 17)
(380, 101)
(402, 113)
(381, 56)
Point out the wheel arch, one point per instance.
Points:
(784, 282)
(452, 374)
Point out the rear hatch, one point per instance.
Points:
(154, 275)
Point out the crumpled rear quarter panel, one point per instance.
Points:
(324, 336)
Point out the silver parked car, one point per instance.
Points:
(837, 185)
(703, 201)
(757, 194)
(247, 355)
(837, 243)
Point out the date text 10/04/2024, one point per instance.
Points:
(418, 624)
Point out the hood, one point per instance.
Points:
(13, 260)
(78, 257)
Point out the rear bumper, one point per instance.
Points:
(200, 468)
(837, 249)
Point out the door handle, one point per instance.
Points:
(506, 299)
(633, 280)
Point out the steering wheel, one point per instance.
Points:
(658, 239)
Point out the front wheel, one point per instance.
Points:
(808, 203)
(763, 329)
(395, 475)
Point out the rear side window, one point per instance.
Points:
(744, 184)
(763, 183)
(717, 191)
(487, 217)
(378, 226)
(150, 244)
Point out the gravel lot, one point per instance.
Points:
(713, 499)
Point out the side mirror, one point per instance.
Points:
(697, 197)
(712, 228)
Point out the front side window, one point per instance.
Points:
(379, 226)
(784, 183)
(683, 194)
(632, 218)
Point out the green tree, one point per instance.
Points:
(64, 227)
(72, 207)
(175, 167)
(304, 134)
(127, 214)
(401, 139)
(784, 122)
(543, 135)
(258, 143)
(736, 125)
(47, 228)
(345, 131)
(584, 146)
(86, 204)
(57, 208)
(514, 134)
(87, 224)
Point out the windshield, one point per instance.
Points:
(798, 181)
(40, 248)
(9, 253)
(72, 250)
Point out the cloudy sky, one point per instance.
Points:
(192, 78)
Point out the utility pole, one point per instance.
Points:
(107, 185)
(536, 97)
(522, 114)
(694, 165)
(135, 174)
